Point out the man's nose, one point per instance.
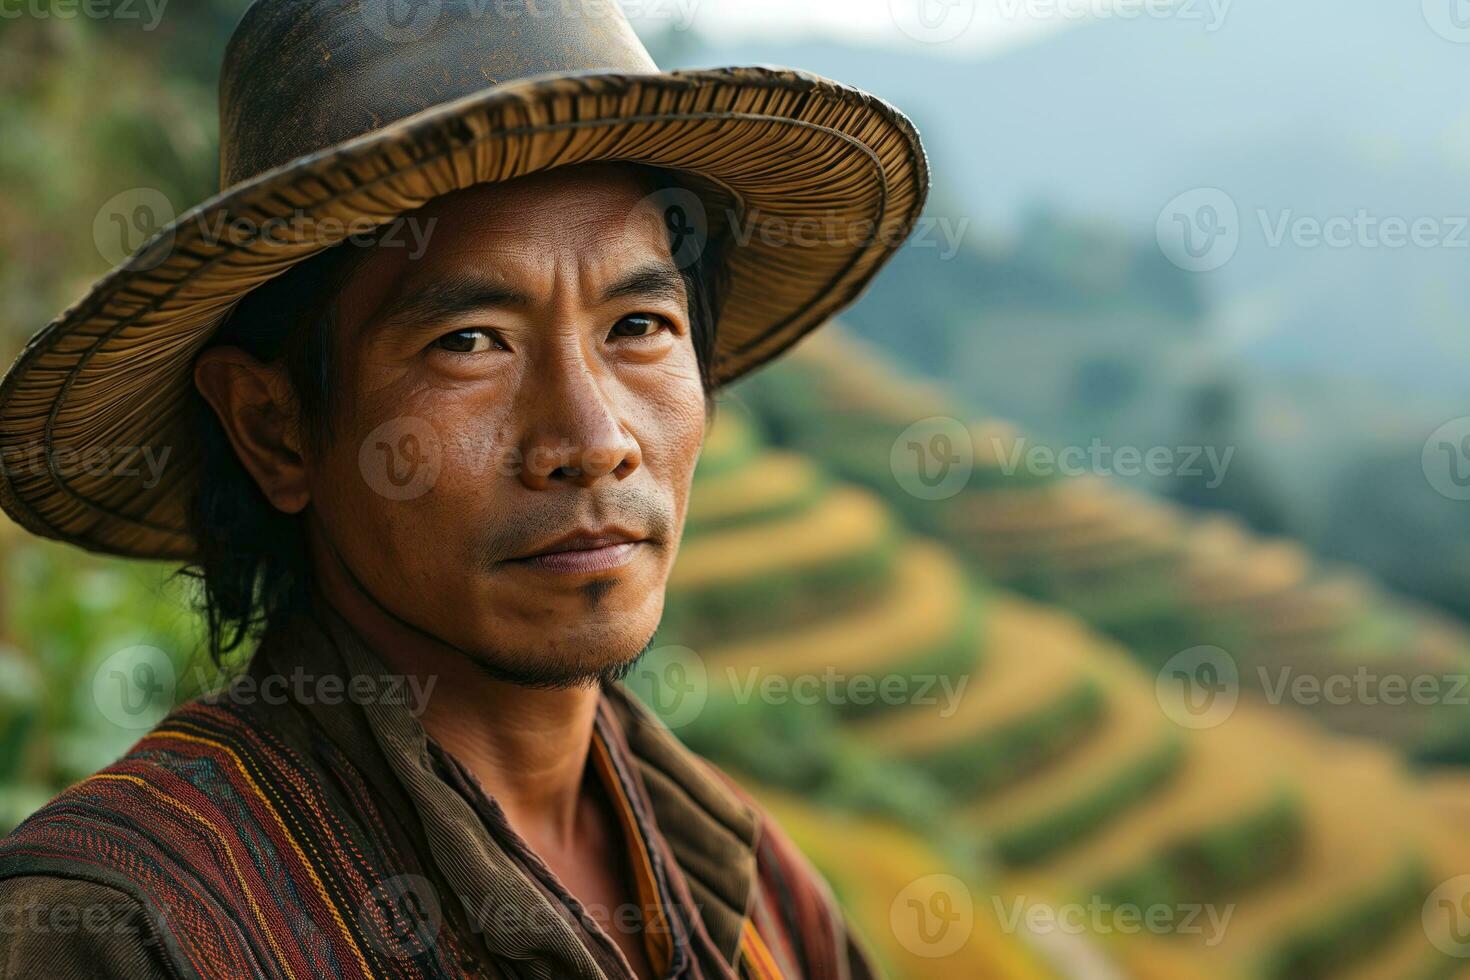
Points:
(574, 432)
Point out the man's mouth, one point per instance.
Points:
(584, 551)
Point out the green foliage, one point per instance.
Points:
(1220, 863)
(78, 623)
(952, 660)
(800, 748)
(1068, 824)
(973, 768)
(809, 497)
(1342, 935)
(706, 617)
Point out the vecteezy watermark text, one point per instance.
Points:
(405, 21)
(1201, 230)
(1099, 459)
(62, 918)
(149, 12)
(141, 216)
(118, 462)
(1098, 916)
(1364, 686)
(411, 691)
(779, 231)
(1210, 13)
(838, 689)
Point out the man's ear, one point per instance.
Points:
(258, 410)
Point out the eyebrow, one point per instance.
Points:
(655, 281)
(451, 296)
(466, 292)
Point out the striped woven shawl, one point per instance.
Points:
(277, 840)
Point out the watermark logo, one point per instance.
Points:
(1450, 19)
(934, 916)
(401, 21)
(400, 459)
(933, 21)
(1446, 459)
(680, 216)
(1446, 917)
(1199, 231)
(1198, 687)
(674, 682)
(402, 916)
(135, 687)
(933, 458)
(679, 15)
(131, 219)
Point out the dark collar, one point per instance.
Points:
(681, 802)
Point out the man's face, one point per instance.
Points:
(529, 377)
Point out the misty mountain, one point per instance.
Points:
(1302, 112)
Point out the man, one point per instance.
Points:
(435, 370)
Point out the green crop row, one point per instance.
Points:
(976, 767)
(1067, 824)
(1222, 861)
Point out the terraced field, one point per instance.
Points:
(771, 486)
(1364, 867)
(926, 621)
(1233, 795)
(1157, 578)
(894, 860)
(1033, 699)
(1134, 755)
(1062, 754)
(817, 558)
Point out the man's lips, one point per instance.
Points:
(584, 551)
(581, 560)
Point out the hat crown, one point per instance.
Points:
(303, 75)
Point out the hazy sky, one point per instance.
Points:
(955, 27)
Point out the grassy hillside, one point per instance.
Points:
(1016, 728)
(1155, 576)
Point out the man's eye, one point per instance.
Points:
(470, 341)
(638, 325)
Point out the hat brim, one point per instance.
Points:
(839, 174)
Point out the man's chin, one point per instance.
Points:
(546, 674)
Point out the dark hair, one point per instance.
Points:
(251, 562)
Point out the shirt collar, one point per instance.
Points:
(699, 835)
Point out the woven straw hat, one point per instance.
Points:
(340, 115)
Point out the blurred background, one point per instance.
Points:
(1091, 601)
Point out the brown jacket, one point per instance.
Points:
(256, 834)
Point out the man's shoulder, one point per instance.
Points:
(209, 823)
(185, 782)
(65, 927)
(94, 874)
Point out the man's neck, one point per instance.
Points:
(528, 747)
